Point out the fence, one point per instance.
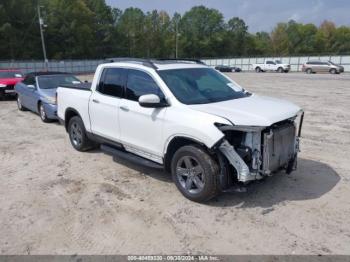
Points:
(72, 66)
(89, 66)
(296, 62)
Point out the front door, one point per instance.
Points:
(104, 103)
(140, 127)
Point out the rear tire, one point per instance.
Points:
(258, 69)
(308, 71)
(78, 136)
(195, 173)
(19, 104)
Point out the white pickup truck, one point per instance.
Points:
(272, 65)
(185, 117)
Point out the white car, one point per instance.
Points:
(272, 65)
(183, 116)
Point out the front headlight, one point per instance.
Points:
(51, 100)
(2, 85)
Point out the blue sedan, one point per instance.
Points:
(37, 92)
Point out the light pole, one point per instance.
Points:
(41, 25)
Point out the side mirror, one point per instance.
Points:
(152, 101)
(31, 86)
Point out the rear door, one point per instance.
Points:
(141, 127)
(104, 103)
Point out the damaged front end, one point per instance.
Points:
(250, 153)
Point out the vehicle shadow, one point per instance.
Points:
(311, 180)
(8, 98)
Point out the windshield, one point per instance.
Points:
(53, 81)
(9, 74)
(278, 62)
(200, 86)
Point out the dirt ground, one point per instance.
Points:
(55, 200)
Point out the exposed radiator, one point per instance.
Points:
(278, 147)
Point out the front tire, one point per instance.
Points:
(78, 136)
(280, 70)
(195, 173)
(333, 71)
(42, 113)
(309, 71)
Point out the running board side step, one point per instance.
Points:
(130, 157)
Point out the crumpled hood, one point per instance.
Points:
(10, 81)
(251, 111)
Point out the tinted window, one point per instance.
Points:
(112, 82)
(200, 86)
(139, 83)
(270, 63)
(29, 80)
(54, 81)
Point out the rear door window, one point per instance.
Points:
(112, 82)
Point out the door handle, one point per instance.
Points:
(95, 101)
(124, 108)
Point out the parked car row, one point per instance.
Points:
(182, 116)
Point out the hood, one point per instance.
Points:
(10, 81)
(251, 111)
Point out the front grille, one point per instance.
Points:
(278, 146)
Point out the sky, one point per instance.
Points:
(259, 15)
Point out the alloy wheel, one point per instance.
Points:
(190, 174)
(42, 112)
(76, 134)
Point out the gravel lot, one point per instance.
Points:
(55, 200)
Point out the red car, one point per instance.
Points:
(8, 79)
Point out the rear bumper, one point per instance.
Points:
(51, 111)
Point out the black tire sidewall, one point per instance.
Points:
(86, 143)
(209, 166)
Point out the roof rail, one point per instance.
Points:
(145, 62)
(179, 60)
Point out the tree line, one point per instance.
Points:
(87, 29)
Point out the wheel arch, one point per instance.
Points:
(69, 113)
(174, 144)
